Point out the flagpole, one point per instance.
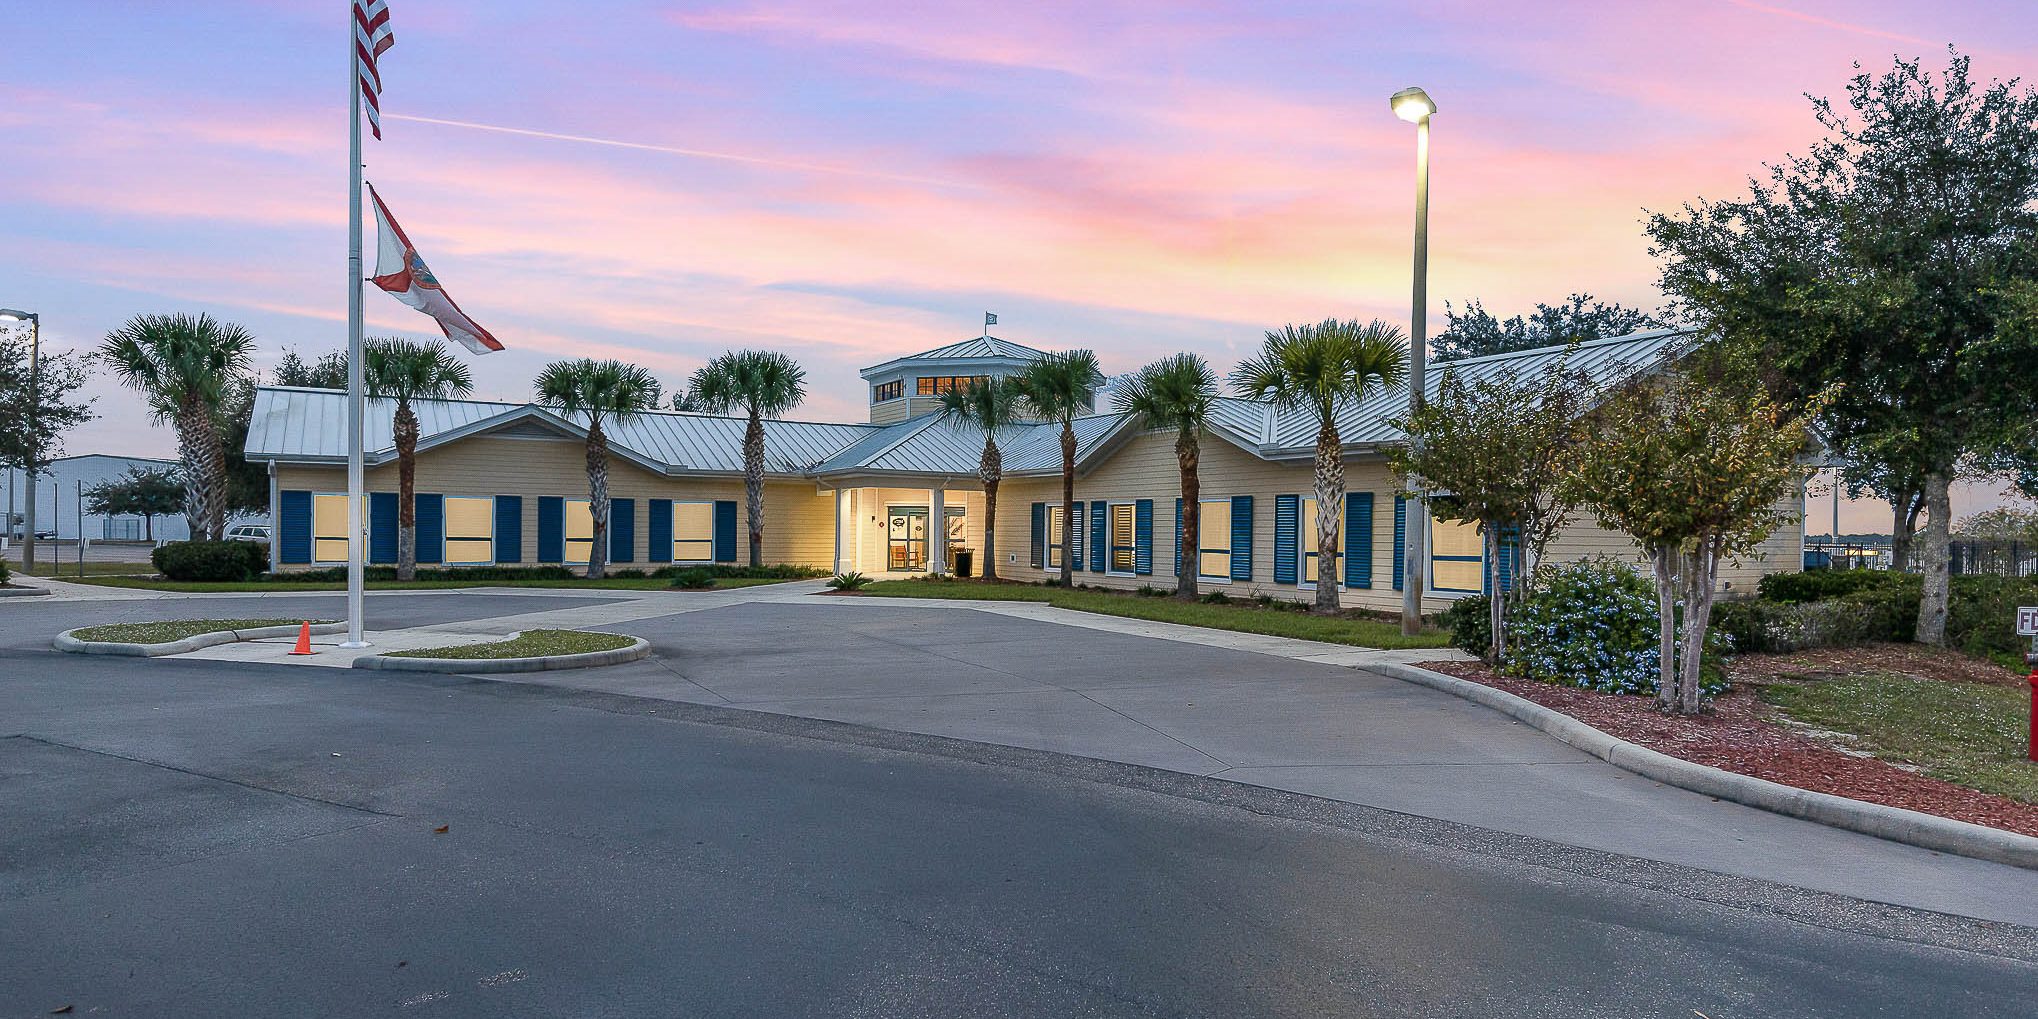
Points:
(356, 543)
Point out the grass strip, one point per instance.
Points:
(174, 629)
(257, 586)
(1970, 734)
(1243, 617)
(528, 644)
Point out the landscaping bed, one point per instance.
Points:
(175, 629)
(528, 644)
(1270, 617)
(1900, 725)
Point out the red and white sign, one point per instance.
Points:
(400, 271)
(2027, 621)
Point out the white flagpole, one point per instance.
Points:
(356, 538)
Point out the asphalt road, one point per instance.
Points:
(188, 838)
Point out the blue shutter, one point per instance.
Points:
(661, 531)
(1400, 536)
(294, 512)
(1241, 537)
(1100, 536)
(1287, 544)
(1039, 547)
(1073, 537)
(509, 528)
(1510, 553)
(725, 531)
(431, 517)
(1142, 537)
(382, 527)
(551, 529)
(1359, 539)
(623, 531)
(1178, 536)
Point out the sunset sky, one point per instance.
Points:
(847, 182)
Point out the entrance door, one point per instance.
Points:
(906, 538)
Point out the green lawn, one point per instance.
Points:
(528, 644)
(1971, 734)
(609, 584)
(174, 629)
(66, 571)
(1244, 617)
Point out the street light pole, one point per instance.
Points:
(34, 400)
(1414, 105)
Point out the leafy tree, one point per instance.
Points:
(1325, 368)
(186, 365)
(329, 371)
(1477, 332)
(764, 384)
(1060, 388)
(684, 402)
(991, 407)
(596, 390)
(1175, 394)
(2004, 523)
(1500, 444)
(1693, 472)
(1897, 260)
(36, 409)
(147, 494)
(403, 370)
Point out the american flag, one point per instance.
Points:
(371, 38)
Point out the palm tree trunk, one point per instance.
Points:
(991, 470)
(1187, 455)
(1068, 499)
(597, 499)
(753, 484)
(1330, 491)
(195, 436)
(406, 492)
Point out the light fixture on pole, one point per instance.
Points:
(34, 400)
(1415, 106)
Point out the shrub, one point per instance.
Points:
(1470, 621)
(4, 575)
(1150, 591)
(1217, 598)
(693, 580)
(774, 571)
(210, 560)
(1592, 624)
(851, 581)
(1825, 585)
(1757, 625)
(1980, 614)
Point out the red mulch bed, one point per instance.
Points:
(1738, 735)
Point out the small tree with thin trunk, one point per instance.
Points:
(991, 407)
(405, 370)
(764, 384)
(1499, 445)
(1694, 473)
(1061, 388)
(147, 494)
(1175, 394)
(185, 365)
(597, 390)
(1326, 369)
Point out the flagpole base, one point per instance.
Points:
(352, 645)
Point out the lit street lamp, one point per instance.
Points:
(34, 398)
(1415, 106)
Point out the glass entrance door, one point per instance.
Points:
(906, 538)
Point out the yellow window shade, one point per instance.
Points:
(1213, 532)
(470, 529)
(693, 532)
(579, 530)
(329, 528)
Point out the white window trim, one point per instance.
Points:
(672, 549)
(1047, 545)
(1110, 510)
(447, 538)
(1429, 562)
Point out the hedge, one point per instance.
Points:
(211, 560)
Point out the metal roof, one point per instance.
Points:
(976, 348)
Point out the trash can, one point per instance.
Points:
(965, 562)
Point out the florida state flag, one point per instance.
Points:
(399, 270)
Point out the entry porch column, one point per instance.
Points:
(838, 534)
(937, 533)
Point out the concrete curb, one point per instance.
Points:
(1926, 831)
(23, 591)
(66, 642)
(640, 648)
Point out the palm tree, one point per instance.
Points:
(185, 365)
(598, 389)
(406, 370)
(764, 384)
(1176, 392)
(1325, 368)
(991, 406)
(1059, 387)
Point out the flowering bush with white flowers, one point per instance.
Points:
(1592, 624)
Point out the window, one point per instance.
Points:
(693, 532)
(470, 530)
(1213, 530)
(579, 530)
(1305, 528)
(888, 390)
(1055, 537)
(1457, 561)
(935, 385)
(1121, 537)
(329, 528)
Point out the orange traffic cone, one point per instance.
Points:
(303, 640)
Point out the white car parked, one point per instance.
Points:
(248, 532)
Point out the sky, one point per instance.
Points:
(851, 181)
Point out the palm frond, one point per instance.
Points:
(1060, 387)
(761, 382)
(394, 368)
(1173, 393)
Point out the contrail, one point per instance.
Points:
(728, 157)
